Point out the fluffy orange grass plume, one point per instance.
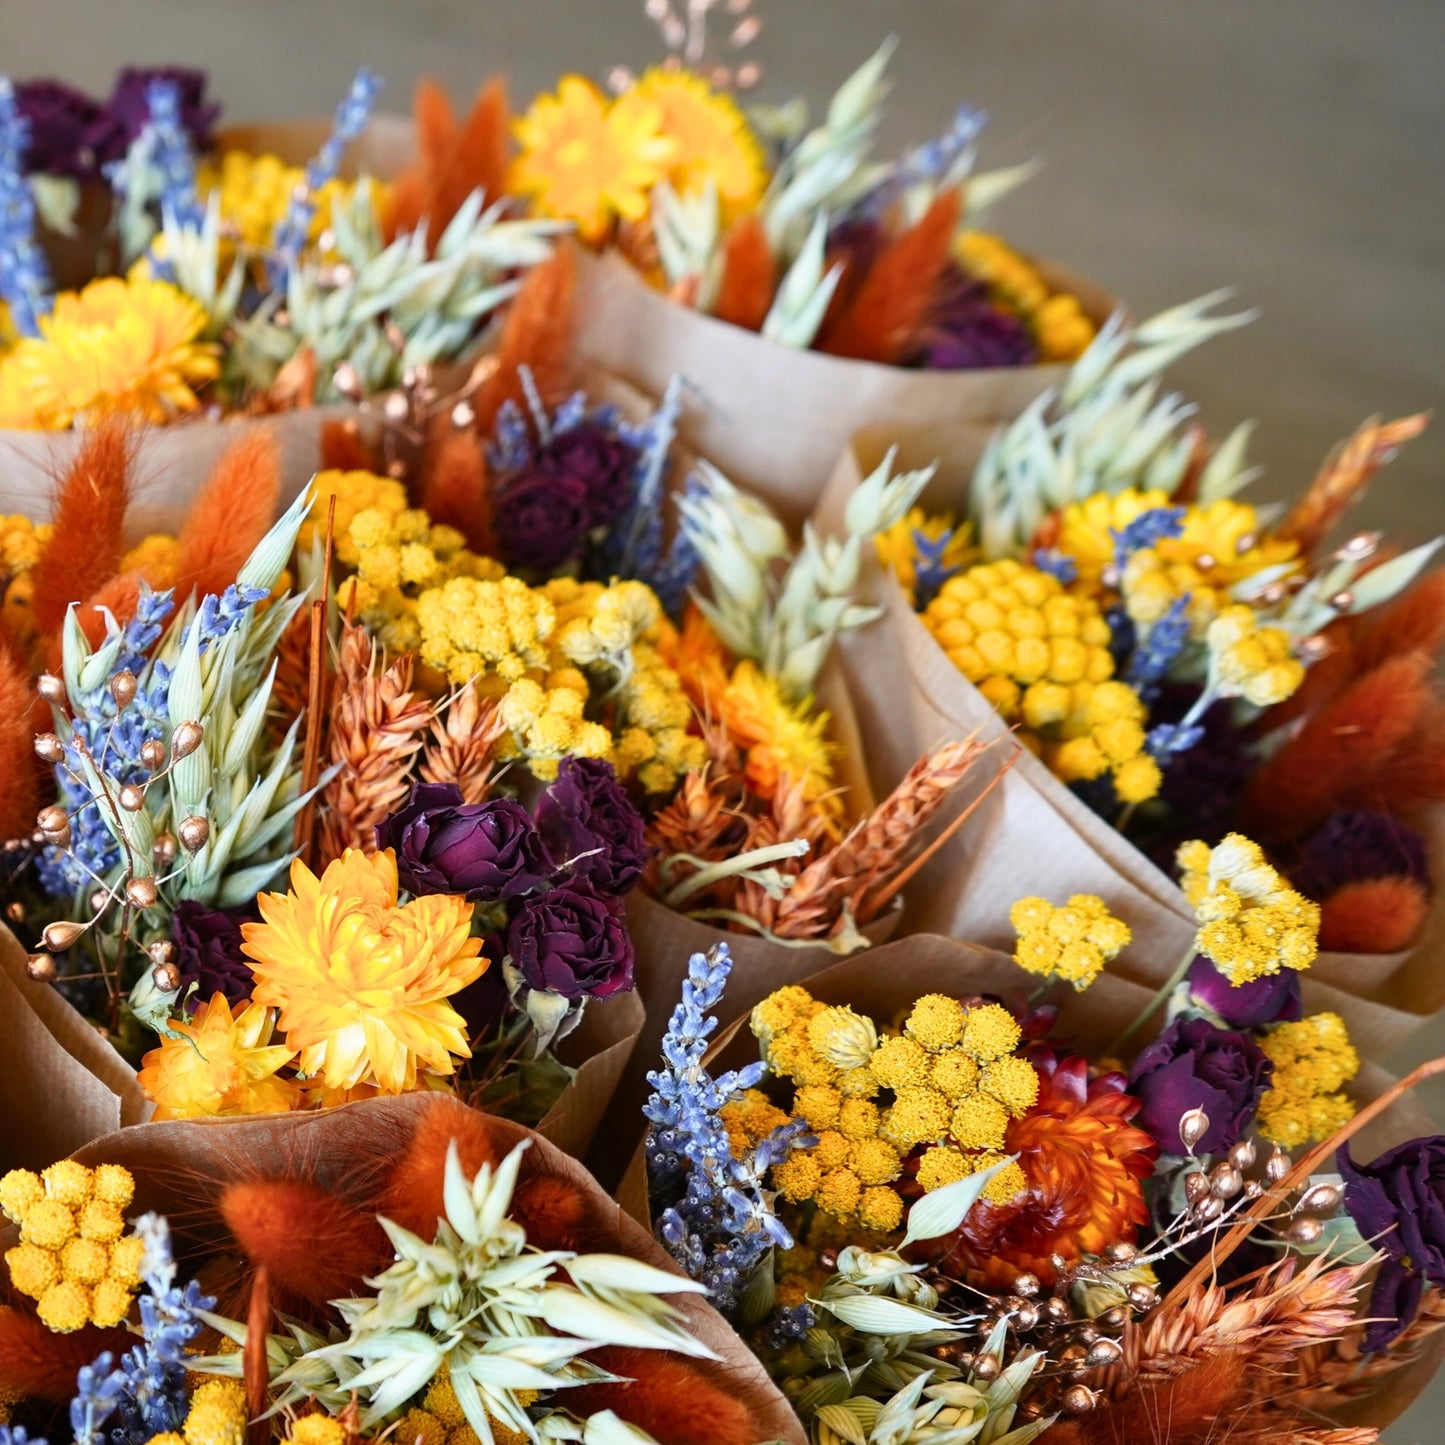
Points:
(670, 1399)
(1412, 622)
(413, 1192)
(314, 1246)
(1414, 775)
(750, 275)
(20, 795)
(87, 544)
(893, 299)
(455, 489)
(342, 449)
(38, 1364)
(535, 334)
(1335, 752)
(230, 516)
(1373, 915)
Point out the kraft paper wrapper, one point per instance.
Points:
(1031, 835)
(383, 149)
(177, 1164)
(598, 1048)
(773, 418)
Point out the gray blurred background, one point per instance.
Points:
(1290, 149)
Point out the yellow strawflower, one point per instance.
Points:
(71, 1258)
(1061, 329)
(1252, 922)
(220, 1062)
(1085, 529)
(256, 190)
(1073, 942)
(1253, 661)
(362, 982)
(120, 347)
(21, 543)
(1313, 1060)
(781, 739)
(588, 159)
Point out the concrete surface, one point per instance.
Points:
(1290, 149)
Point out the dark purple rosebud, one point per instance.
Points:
(125, 114)
(967, 331)
(208, 953)
(487, 851)
(540, 520)
(587, 820)
(598, 458)
(1356, 844)
(1398, 1205)
(1273, 999)
(1194, 1065)
(572, 941)
(60, 118)
(483, 1002)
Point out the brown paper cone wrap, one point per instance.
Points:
(772, 418)
(383, 150)
(179, 1167)
(1032, 835)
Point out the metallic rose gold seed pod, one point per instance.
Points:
(1196, 1187)
(1103, 1353)
(1114, 1319)
(49, 748)
(166, 977)
(153, 754)
(1056, 1310)
(1247, 543)
(1059, 1263)
(1193, 1127)
(164, 849)
(1121, 1251)
(52, 689)
(52, 820)
(1026, 1317)
(1278, 1166)
(1225, 1181)
(15, 912)
(1321, 1199)
(1209, 1209)
(122, 688)
(161, 951)
(1343, 600)
(193, 832)
(132, 798)
(1078, 1400)
(1026, 1286)
(41, 967)
(1305, 1230)
(186, 739)
(987, 1367)
(1142, 1296)
(1253, 1189)
(141, 893)
(59, 935)
(1243, 1154)
(1206, 561)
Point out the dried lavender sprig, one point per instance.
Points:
(173, 157)
(25, 284)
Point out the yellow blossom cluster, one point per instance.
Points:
(1313, 1060)
(156, 557)
(1073, 942)
(781, 738)
(74, 1257)
(216, 1416)
(21, 543)
(954, 1079)
(1060, 327)
(1252, 922)
(439, 1420)
(1040, 655)
(898, 546)
(254, 192)
(1253, 661)
(475, 628)
(1086, 528)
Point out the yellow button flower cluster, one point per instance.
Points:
(21, 543)
(1073, 942)
(1041, 656)
(439, 1420)
(1061, 329)
(74, 1258)
(1313, 1061)
(255, 192)
(955, 1083)
(217, 1416)
(472, 628)
(1252, 922)
(1253, 661)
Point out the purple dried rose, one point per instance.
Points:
(1398, 1205)
(573, 941)
(1194, 1065)
(487, 851)
(597, 457)
(60, 119)
(540, 520)
(125, 114)
(585, 817)
(208, 953)
(967, 331)
(1268, 1000)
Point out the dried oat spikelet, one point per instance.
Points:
(378, 726)
(699, 820)
(462, 743)
(1336, 1370)
(791, 817)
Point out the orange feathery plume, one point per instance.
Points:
(1412, 622)
(38, 1364)
(554, 1213)
(413, 1196)
(20, 797)
(1414, 774)
(85, 549)
(478, 159)
(342, 449)
(893, 300)
(750, 275)
(670, 1399)
(1192, 1408)
(535, 335)
(436, 124)
(455, 489)
(1373, 915)
(1337, 750)
(233, 512)
(313, 1246)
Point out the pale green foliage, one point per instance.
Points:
(194, 256)
(802, 300)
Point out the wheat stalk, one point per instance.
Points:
(462, 742)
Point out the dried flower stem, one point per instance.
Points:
(257, 1372)
(304, 839)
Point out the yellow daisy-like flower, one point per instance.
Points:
(782, 739)
(219, 1063)
(590, 160)
(714, 141)
(256, 190)
(362, 983)
(119, 347)
(1085, 529)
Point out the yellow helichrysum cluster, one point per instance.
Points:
(1041, 656)
(1057, 320)
(21, 543)
(74, 1257)
(1086, 528)
(1252, 922)
(1313, 1060)
(1072, 942)
(439, 1420)
(255, 191)
(473, 628)
(951, 1080)
(217, 1416)
(1252, 661)
(354, 492)
(898, 546)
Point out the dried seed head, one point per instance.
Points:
(1243, 1154)
(1078, 1400)
(1320, 1199)
(1026, 1316)
(122, 688)
(141, 893)
(58, 936)
(52, 689)
(1059, 1263)
(1142, 1297)
(41, 967)
(1103, 1353)
(1208, 1209)
(1343, 600)
(1225, 1181)
(49, 747)
(164, 849)
(1121, 1252)
(166, 977)
(1196, 1187)
(53, 819)
(153, 754)
(1192, 1128)
(1305, 1230)
(132, 798)
(15, 912)
(1026, 1286)
(99, 900)
(1114, 1319)
(193, 831)
(186, 739)
(161, 951)
(986, 1367)
(1056, 1310)
(1278, 1166)
(1253, 1189)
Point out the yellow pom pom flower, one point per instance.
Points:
(1252, 661)
(936, 1022)
(217, 1415)
(1313, 1060)
(1073, 942)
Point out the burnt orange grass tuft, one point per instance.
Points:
(413, 1194)
(750, 275)
(670, 1399)
(230, 516)
(20, 796)
(36, 1364)
(342, 449)
(1373, 915)
(455, 489)
(554, 1213)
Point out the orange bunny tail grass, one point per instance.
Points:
(478, 159)
(555, 1214)
(536, 335)
(1335, 752)
(313, 1246)
(455, 489)
(87, 544)
(1415, 775)
(38, 1364)
(893, 300)
(233, 512)
(1413, 622)
(1373, 915)
(750, 275)
(20, 797)
(1192, 1408)
(413, 1193)
(670, 1399)
(342, 449)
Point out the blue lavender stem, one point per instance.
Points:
(25, 284)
